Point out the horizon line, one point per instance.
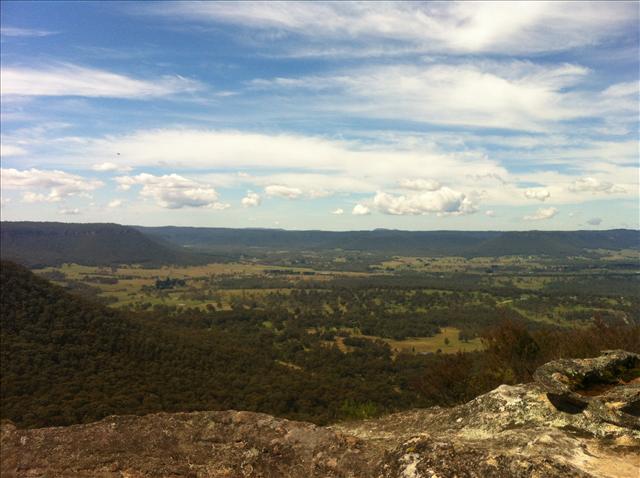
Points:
(324, 230)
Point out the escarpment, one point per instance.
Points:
(580, 418)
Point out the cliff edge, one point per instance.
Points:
(580, 418)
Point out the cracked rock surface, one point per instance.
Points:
(512, 431)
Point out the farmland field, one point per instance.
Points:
(416, 305)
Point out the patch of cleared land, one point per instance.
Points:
(421, 345)
(435, 343)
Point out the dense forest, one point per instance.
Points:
(67, 359)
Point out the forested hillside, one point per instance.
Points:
(54, 243)
(66, 360)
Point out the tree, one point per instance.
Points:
(512, 350)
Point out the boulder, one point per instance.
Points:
(606, 387)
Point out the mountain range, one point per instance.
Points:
(52, 243)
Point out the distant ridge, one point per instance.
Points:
(53, 243)
(463, 243)
(37, 244)
(558, 243)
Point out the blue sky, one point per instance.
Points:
(316, 115)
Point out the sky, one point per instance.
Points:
(314, 115)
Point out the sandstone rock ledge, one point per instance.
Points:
(513, 431)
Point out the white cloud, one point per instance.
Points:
(251, 199)
(7, 150)
(444, 201)
(361, 210)
(539, 194)
(360, 28)
(542, 214)
(420, 184)
(514, 94)
(314, 185)
(595, 221)
(338, 212)
(73, 80)
(490, 213)
(69, 211)
(31, 197)
(7, 31)
(219, 206)
(318, 193)
(593, 185)
(173, 191)
(56, 185)
(286, 192)
(624, 89)
(329, 166)
(115, 203)
(108, 167)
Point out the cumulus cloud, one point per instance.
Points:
(109, 167)
(115, 203)
(594, 221)
(539, 194)
(490, 213)
(419, 184)
(173, 191)
(251, 199)
(286, 192)
(444, 201)
(593, 185)
(361, 210)
(542, 214)
(66, 79)
(338, 212)
(53, 185)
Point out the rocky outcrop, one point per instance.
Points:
(513, 431)
(604, 387)
(200, 444)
